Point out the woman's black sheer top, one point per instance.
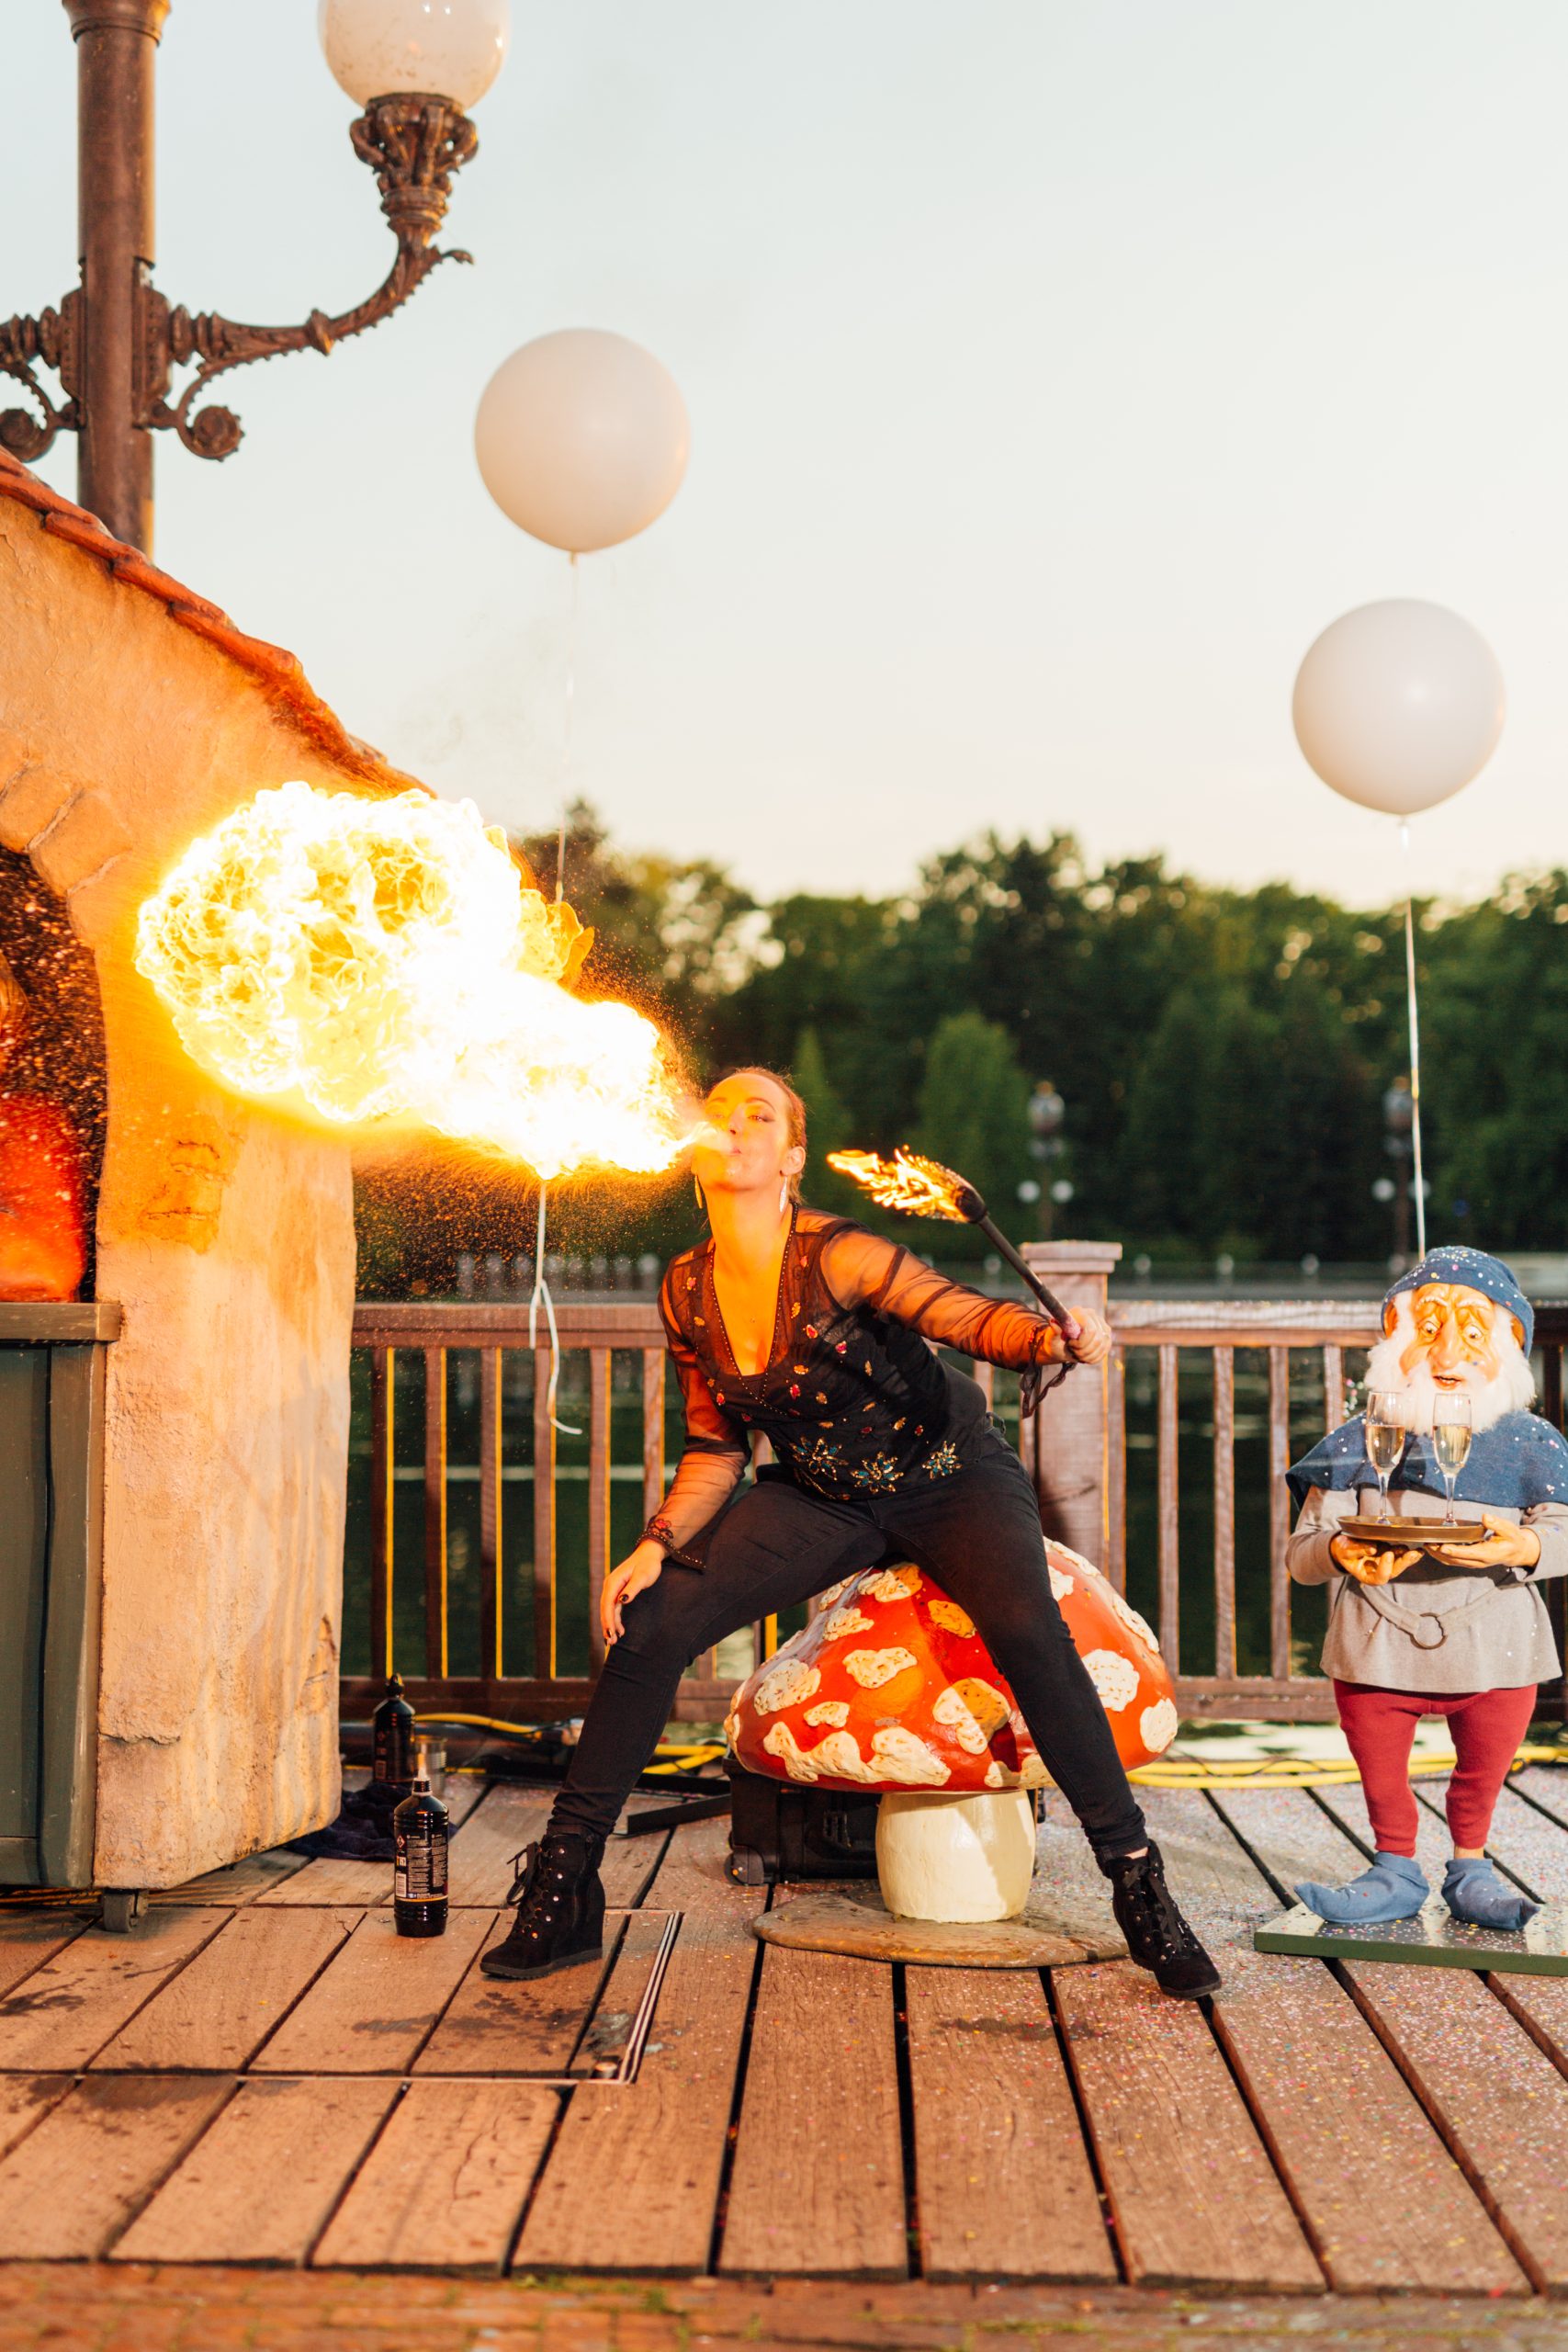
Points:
(852, 1399)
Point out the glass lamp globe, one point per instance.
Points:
(446, 48)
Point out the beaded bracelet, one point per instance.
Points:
(659, 1531)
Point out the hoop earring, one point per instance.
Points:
(702, 1197)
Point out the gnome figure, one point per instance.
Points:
(1460, 1632)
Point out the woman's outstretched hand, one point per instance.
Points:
(1084, 1338)
(634, 1574)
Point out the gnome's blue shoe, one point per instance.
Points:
(1474, 1894)
(1394, 1888)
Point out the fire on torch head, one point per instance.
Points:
(916, 1186)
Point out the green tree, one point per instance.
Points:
(828, 1128)
(973, 1115)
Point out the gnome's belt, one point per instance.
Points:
(1410, 1621)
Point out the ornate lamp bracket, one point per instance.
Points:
(412, 143)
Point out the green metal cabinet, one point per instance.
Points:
(53, 1361)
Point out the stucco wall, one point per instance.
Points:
(225, 1233)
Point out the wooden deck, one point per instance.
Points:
(265, 2073)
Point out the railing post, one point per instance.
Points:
(1072, 1449)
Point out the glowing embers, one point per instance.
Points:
(909, 1182)
(384, 959)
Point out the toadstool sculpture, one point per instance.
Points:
(891, 1687)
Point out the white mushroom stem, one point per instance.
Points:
(956, 1857)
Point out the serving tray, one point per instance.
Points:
(1413, 1534)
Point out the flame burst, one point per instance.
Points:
(909, 1182)
(385, 960)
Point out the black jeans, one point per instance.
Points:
(978, 1533)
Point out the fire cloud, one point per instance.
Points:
(385, 960)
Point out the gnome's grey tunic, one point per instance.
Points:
(1437, 1627)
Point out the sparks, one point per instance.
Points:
(385, 960)
(911, 1184)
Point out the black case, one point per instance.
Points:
(780, 1831)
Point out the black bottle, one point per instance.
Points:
(391, 1734)
(418, 1871)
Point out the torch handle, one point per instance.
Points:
(1015, 1259)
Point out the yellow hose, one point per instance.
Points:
(1303, 1771)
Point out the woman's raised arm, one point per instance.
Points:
(862, 1270)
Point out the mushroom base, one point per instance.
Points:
(956, 1857)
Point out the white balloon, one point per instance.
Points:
(1398, 705)
(442, 48)
(582, 439)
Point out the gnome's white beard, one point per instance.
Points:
(1511, 1388)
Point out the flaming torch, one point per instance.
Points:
(916, 1186)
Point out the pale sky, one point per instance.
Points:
(1056, 372)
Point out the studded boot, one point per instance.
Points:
(1158, 1938)
(560, 1907)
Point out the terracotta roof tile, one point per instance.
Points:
(276, 672)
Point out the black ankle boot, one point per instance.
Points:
(560, 1907)
(1158, 1938)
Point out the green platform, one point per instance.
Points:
(1432, 1940)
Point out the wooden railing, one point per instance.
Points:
(530, 1633)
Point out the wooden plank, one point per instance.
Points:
(372, 2009)
(818, 2189)
(1003, 2183)
(1541, 2005)
(1279, 1510)
(26, 2099)
(1116, 1472)
(63, 2013)
(1385, 2204)
(435, 1512)
(490, 1513)
(480, 1872)
(239, 1883)
(1344, 1805)
(598, 1494)
(1531, 1848)
(443, 2185)
(71, 2186)
(544, 1518)
(1497, 2100)
(28, 1938)
(653, 1363)
(1224, 1511)
(1193, 2194)
(1333, 1388)
(259, 2186)
(663, 2139)
(1169, 1508)
(215, 2015)
(494, 2027)
(1546, 1787)
(383, 1396)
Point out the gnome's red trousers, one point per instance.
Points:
(1487, 1727)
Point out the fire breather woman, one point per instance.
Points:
(811, 1331)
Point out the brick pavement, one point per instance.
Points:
(119, 2307)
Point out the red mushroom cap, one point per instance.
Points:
(891, 1687)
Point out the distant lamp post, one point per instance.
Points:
(1399, 1122)
(413, 65)
(1047, 1113)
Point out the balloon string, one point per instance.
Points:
(1414, 1044)
(566, 727)
(541, 1298)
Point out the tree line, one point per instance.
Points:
(1222, 1055)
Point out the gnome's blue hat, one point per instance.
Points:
(1474, 1269)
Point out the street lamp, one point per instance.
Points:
(1399, 1124)
(413, 65)
(1046, 1112)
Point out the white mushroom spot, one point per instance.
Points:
(872, 1669)
(995, 1776)
(1074, 1559)
(834, 1592)
(785, 1686)
(845, 1622)
(732, 1728)
(828, 1711)
(1130, 1619)
(950, 1617)
(1060, 1585)
(897, 1756)
(1115, 1677)
(1157, 1726)
(1033, 1774)
(953, 1713)
(984, 1702)
(892, 1584)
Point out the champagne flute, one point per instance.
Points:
(1450, 1443)
(1386, 1435)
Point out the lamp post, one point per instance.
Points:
(1046, 1112)
(1399, 1124)
(114, 342)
